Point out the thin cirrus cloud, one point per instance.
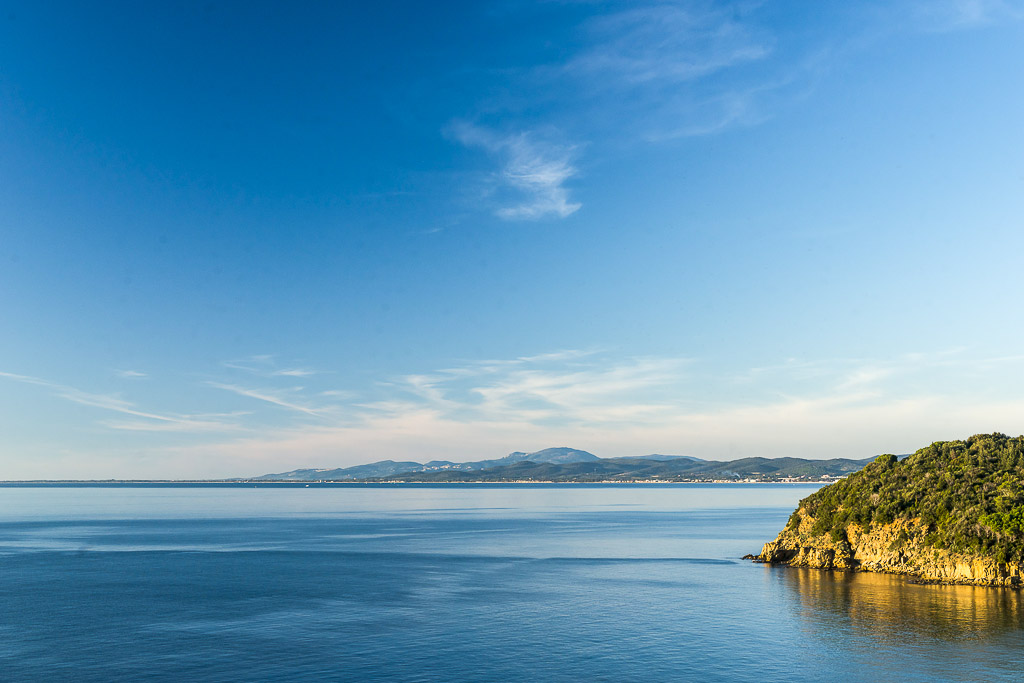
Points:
(534, 171)
(942, 16)
(567, 391)
(636, 77)
(665, 43)
(645, 73)
(265, 365)
(474, 410)
(631, 406)
(131, 374)
(591, 399)
(149, 420)
(269, 396)
(655, 72)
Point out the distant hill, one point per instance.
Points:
(663, 458)
(565, 464)
(628, 469)
(388, 468)
(556, 456)
(384, 468)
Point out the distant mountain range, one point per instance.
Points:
(387, 468)
(572, 465)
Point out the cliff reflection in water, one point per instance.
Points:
(889, 609)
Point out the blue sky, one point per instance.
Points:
(244, 238)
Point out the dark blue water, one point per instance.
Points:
(460, 583)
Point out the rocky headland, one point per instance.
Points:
(950, 513)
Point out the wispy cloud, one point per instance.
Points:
(210, 422)
(535, 172)
(624, 391)
(267, 395)
(821, 408)
(666, 42)
(957, 15)
(654, 72)
(659, 71)
(564, 386)
(592, 399)
(341, 394)
(637, 74)
(150, 420)
(265, 365)
(131, 374)
(540, 174)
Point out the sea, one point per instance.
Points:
(463, 582)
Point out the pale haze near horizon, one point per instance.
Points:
(249, 238)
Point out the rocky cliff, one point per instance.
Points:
(901, 547)
(953, 512)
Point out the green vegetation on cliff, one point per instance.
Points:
(968, 494)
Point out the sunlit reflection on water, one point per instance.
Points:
(890, 607)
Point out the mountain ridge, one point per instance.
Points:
(565, 464)
(385, 468)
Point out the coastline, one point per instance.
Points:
(257, 482)
(899, 548)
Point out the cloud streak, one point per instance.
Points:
(653, 72)
(268, 396)
(534, 171)
(131, 374)
(589, 399)
(639, 74)
(943, 16)
(665, 43)
(151, 421)
(848, 408)
(265, 365)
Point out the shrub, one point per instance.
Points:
(969, 493)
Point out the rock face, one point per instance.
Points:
(895, 548)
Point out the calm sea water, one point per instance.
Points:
(460, 583)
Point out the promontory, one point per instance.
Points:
(952, 512)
